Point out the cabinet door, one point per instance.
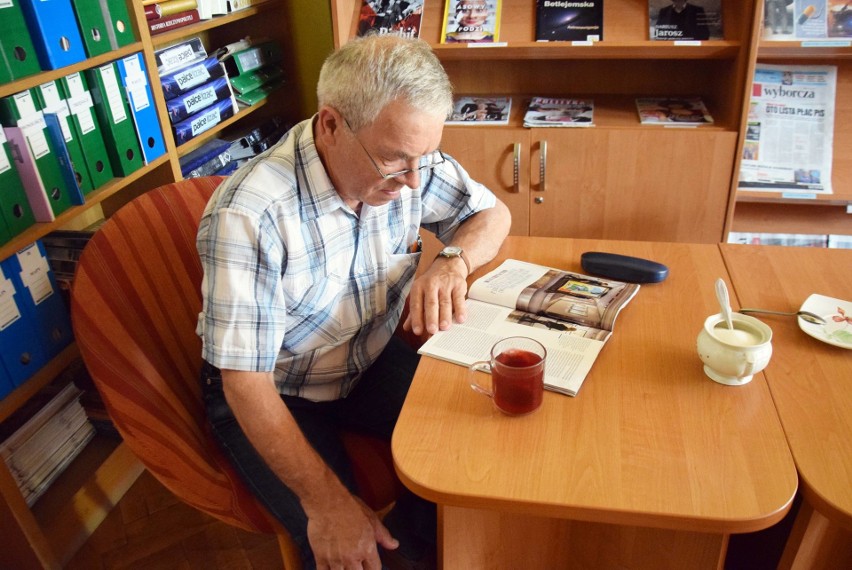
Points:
(499, 158)
(630, 184)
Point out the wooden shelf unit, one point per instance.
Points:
(618, 179)
(48, 534)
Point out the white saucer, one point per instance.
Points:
(837, 331)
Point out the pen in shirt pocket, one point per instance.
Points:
(416, 246)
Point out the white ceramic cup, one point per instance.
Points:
(733, 357)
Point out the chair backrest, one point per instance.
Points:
(134, 306)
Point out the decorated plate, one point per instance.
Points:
(837, 329)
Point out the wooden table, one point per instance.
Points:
(811, 384)
(651, 465)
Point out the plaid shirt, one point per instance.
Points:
(296, 283)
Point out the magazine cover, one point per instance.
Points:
(683, 111)
(811, 19)
(398, 17)
(558, 112)
(476, 110)
(839, 19)
(471, 21)
(568, 21)
(685, 19)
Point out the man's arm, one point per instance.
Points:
(437, 297)
(342, 530)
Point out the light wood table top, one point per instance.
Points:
(649, 440)
(810, 381)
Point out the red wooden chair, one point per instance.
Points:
(135, 301)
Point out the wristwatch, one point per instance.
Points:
(455, 251)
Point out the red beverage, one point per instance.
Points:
(518, 381)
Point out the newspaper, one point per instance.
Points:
(571, 314)
(790, 132)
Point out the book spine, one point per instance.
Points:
(172, 22)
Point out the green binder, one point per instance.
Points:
(15, 212)
(115, 119)
(117, 17)
(104, 25)
(84, 125)
(17, 53)
(19, 110)
(93, 27)
(49, 100)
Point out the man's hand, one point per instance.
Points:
(437, 297)
(345, 536)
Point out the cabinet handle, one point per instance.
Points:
(516, 174)
(542, 165)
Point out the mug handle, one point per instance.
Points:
(480, 366)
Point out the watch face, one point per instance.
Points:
(451, 251)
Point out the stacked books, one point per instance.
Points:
(196, 88)
(559, 112)
(46, 437)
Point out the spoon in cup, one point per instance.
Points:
(805, 315)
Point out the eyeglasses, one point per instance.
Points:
(429, 161)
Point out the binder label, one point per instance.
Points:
(204, 98)
(113, 94)
(177, 56)
(33, 128)
(9, 312)
(207, 120)
(81, 107)
(35, 273)
(136, 83)
(6, 4)
(195, 75)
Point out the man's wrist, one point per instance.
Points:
(453, 251)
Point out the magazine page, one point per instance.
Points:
(559, 112)
(673, 111)
(569, 356)
(790, 131)
(471, 21)
(685, 20)
(397, 17)
(549, 298)
(477, 110)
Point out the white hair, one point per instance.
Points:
(366, 74)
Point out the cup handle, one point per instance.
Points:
(481, 366)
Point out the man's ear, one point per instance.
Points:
(330, 125)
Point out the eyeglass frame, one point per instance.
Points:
(393, 175)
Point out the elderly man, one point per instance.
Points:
(309, 253)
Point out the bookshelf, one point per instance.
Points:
(619, 179)
(49, 533)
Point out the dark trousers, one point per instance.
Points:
(372, 408)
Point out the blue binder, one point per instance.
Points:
(20, 352)
(134, 78)
(57, 139)
(41, 300)
(54, 31)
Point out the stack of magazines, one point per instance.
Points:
(559, 112)
(38, 451)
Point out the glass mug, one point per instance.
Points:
(517, 375)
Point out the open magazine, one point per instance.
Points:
(571, 314)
